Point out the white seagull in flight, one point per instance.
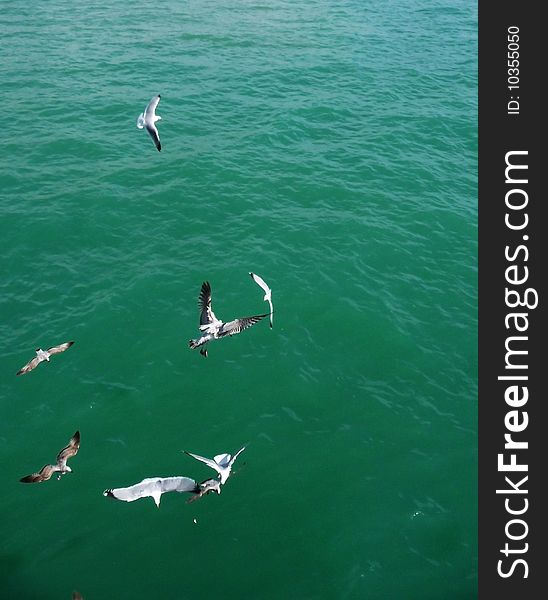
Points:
(148, 121)
(222, 463)
(211, 327)
(42, 355)
(156, 486)
(267, 292)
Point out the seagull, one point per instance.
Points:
(204, 488)
(267, 292)
(222, 463)
(148, 121)
(211, 327)
(60, 466)
(156, 486)
(42, 355)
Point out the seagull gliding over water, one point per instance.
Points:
(60, 466)
(42, 355)
(156, 486)
(148, 121)
(211, 327)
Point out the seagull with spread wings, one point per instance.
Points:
(154, 487)
(42, 355)
(213, 328)
(147, 120)
(60, 465)
(222, 463)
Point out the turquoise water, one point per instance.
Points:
(329, 146)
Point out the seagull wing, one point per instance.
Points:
(238, 325)
(208, 461)
(178, 484)
(223, 460)
(43, 475)
(207, 316)
(70, 450)
(261, 282)
(60, 348)
(154, 487)
(151, 486)
(150, 110)
(153, 132)
(30, 365)
(236, 456)
(268, 292)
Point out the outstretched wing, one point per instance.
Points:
(151, 486)
(207, 316)
(29, 366)
(154, 487)
(267, 291)
(153, 132)
(60, 348)
(178, 484)
(208, 461)
(150, 110)
(44, 474)
(238, 325)
(260, 281)
(70, 450)
(236, 456)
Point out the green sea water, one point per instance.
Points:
(327, 145)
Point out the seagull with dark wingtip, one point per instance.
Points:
(213, 328)
(147, 120)
(154, 487)
(60, 465)
(43, 355)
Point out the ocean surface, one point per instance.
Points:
(327, 145)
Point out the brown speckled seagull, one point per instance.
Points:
(60, 465)
(42, 355)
